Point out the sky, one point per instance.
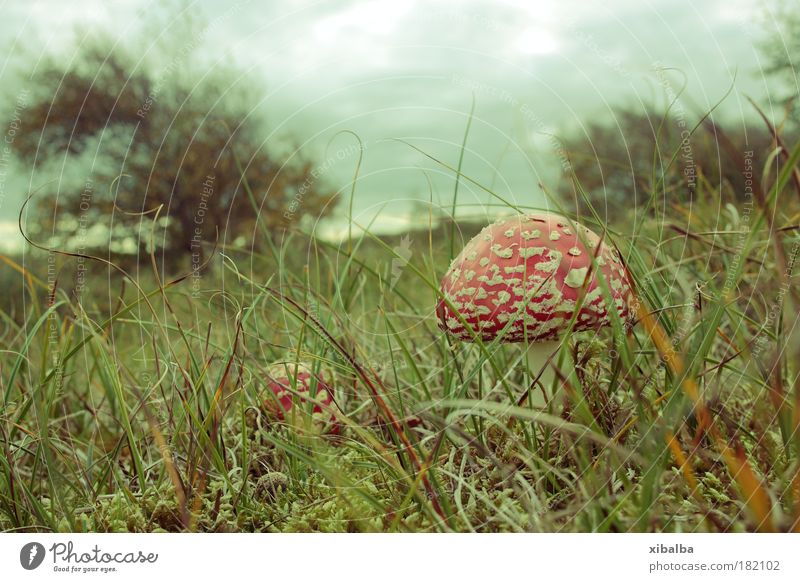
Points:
(403, 77)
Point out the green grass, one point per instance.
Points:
(140, 407)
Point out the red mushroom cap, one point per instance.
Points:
(289, 381)
(528, 272)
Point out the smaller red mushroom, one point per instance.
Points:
(293, 383)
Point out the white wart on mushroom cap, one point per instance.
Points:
(528, 272)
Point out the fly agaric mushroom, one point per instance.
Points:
(522, 278)
(292, 383)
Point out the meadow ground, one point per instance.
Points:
(138, 404)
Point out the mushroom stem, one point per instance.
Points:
(536, 358)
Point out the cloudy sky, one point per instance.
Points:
(389, 70)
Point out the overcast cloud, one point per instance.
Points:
(409, 70)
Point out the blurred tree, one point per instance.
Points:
(780, 45)
(619, 164)
(119, 133)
